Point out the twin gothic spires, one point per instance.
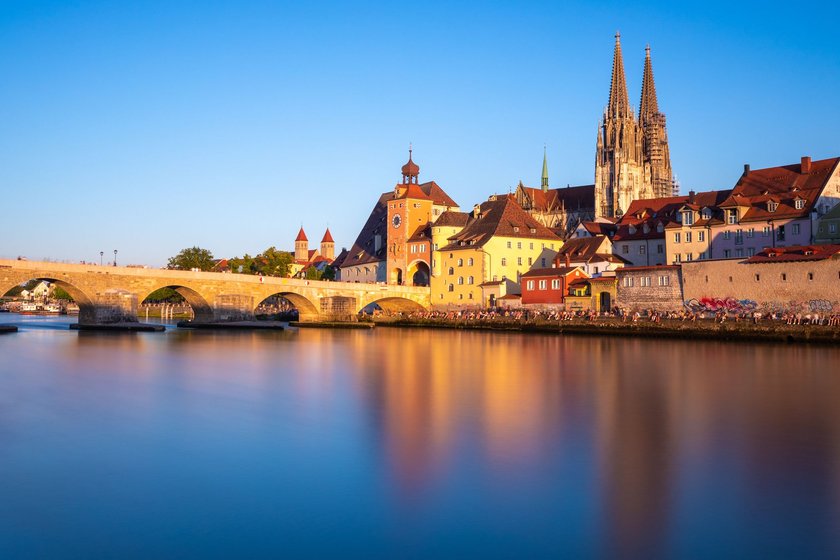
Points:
(632, 160)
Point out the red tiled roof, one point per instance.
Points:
(327, 237)
(301, 236)
(798, 253)
(451, 218)
(499, 216)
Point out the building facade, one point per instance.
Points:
(656, 288)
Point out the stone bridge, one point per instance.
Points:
(107, 294)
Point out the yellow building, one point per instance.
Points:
(500, 241)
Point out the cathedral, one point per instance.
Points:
(632, 160)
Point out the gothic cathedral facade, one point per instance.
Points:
(632, 160)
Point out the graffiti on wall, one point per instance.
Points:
(730, 305)
(734, 305)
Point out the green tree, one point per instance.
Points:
(274, 263)
(243, 265)
(167, 295)
(61, 293)
(191, 258)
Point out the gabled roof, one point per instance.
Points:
(451, 218)
(339, 260)
(798, 253)
(552, 272)
(581, 248)
(364, 250)
(570, 198)
(500, 216)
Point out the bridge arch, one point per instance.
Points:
(85, 303)
(303, 304)
(419, 273)
(202, 309)
(393, 304)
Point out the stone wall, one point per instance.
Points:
(649, 287)
(798, 286)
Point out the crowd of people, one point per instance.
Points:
(524, 315)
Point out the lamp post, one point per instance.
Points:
(101, 255)
(115, 257)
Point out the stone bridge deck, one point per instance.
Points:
(107, 294)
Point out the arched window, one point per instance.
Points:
(460, 262)
(451, 288)
(470, 296)
(469, 280)
(470, 261)
(460, 280)
(451, 270)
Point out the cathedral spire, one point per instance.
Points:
(619, 105)
(649, 105)
(544, 179)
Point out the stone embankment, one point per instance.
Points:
(667, 328)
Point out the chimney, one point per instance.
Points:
(691, 197)
(746, 169)
(568, 261)
(805, 165)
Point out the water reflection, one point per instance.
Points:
(421, 443)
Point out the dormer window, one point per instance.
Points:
(707, 214)
(799, 204)
(771, 206)
(631, 229)
(516, 229)
(688, 218)
(533, 230)
(646, 228)
(732, 216)
(660, 228)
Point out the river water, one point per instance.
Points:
(413, 444)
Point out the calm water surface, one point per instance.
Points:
(412, 443)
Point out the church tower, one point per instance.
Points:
(301, 247)
(544, 178)
(619, 160)
(328, 246)
(655, 144)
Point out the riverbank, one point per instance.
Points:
(5, 329)
(668, 328)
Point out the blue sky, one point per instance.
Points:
(149, 126)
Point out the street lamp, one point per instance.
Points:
(101, 254)
(115, 257)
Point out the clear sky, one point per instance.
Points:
(151, 126)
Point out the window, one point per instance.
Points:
(519, 261)
(470, 296)
(451, 287)
(504, 261)
(645, 281)
(751, 251)
(664, 280)
(543, 284)
(532, 246)
(727, 234)
(771, 206)
(758, 277)
(676, 238)
(660, 249)
(460, 280)
(451, 270)
(739, 252)
(508, 245)
(625, 249)
(688, 218)
(751, 232)
(641, 249)
(800, 204)
(530, 261)
(542, 262)
(518, 244)
(414, 248)
(732, 216)
(739, 237)
(460, 262)
(677, 258)
(627, 282)
(530, 284)
(810, 276)
(688, 237)
(460, 296)
(470, 280)
(422, 248)
(555, 284)
(795, 229)
(707, 214)
(470, 261)
(701, 236)
(780, 233)
(766, 231)
(689, 257)
(784, 277)
(832, 228)
(727, 253)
